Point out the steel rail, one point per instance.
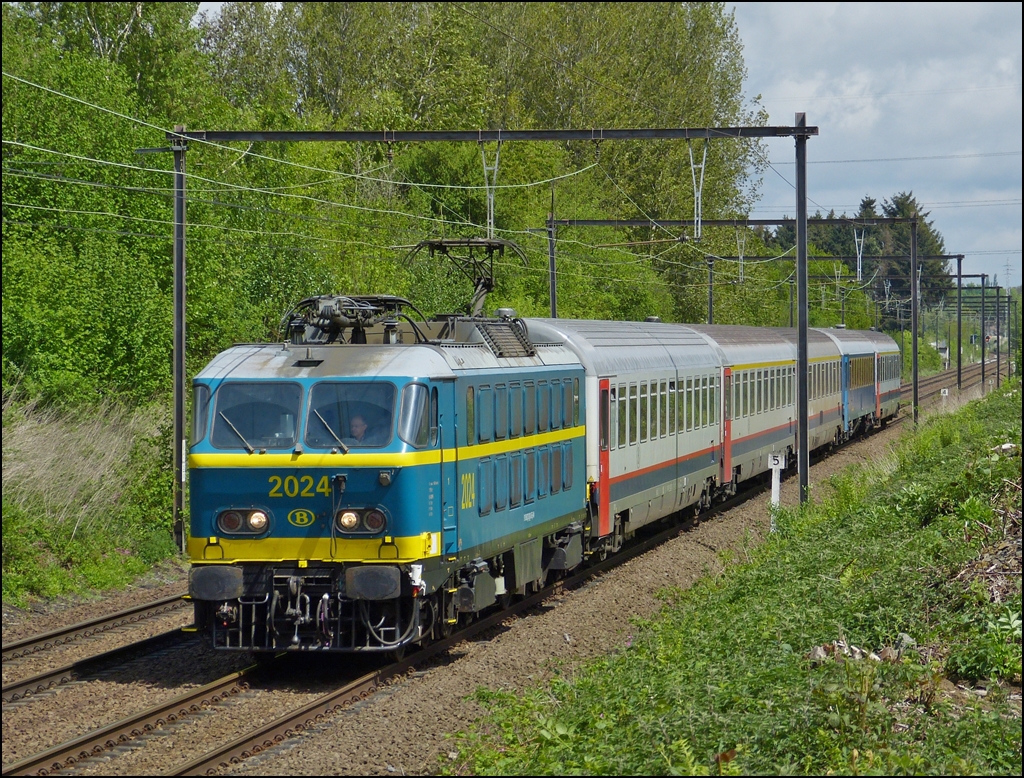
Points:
(57, 637)
(131, 728)
(19, 690)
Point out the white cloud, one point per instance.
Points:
(898, 80)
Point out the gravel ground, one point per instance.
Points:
(57, 715)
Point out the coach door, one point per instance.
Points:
(726, 457)
(878, 387)
(604, 519)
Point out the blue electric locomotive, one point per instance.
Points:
(363, 495)
(374, 480)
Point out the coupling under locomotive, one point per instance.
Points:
(373, 480)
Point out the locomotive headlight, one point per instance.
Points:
(348, 519)
(230, 521)
(374, 521)
(257, 521)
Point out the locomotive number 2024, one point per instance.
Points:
(298, 486)
(468, 490)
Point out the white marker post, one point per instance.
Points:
(777, 462)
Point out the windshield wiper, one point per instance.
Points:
(344, 448)
(235, 430)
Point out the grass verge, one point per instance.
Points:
(86, 498)
(878, 632)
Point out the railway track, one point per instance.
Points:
(59, 637)
(19, 690)
(932, 386)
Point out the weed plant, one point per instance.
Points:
(722, 681)
(86, 497)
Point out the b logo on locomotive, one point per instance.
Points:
(300, 517)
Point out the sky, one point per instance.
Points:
(892, 81)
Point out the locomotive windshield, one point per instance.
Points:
(358, 414)
(256, 415)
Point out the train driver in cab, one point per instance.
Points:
(362, 435)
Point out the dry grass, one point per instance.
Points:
(71, 468)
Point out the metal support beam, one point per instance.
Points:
(711, 289)
(552, 285)
(802, 361)
(959, 323)
(484, 136)
(815, 220)
(178, 146)
(915, 294)
(984, 278)
(999, 351)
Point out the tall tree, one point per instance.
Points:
(154, 42)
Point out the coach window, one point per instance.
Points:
(470, 417)
(643, 411)
(485, 413)
(663, 409)
(605, 427)
(531, 407)
(632, 412)
(686, 411)
(515, 401)
(713, 402)
(623, 416)
(613, 419)
(500, 412)
(672, 407)
(654, 410)
(681, 406)
(543, 406)
(705, 386)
